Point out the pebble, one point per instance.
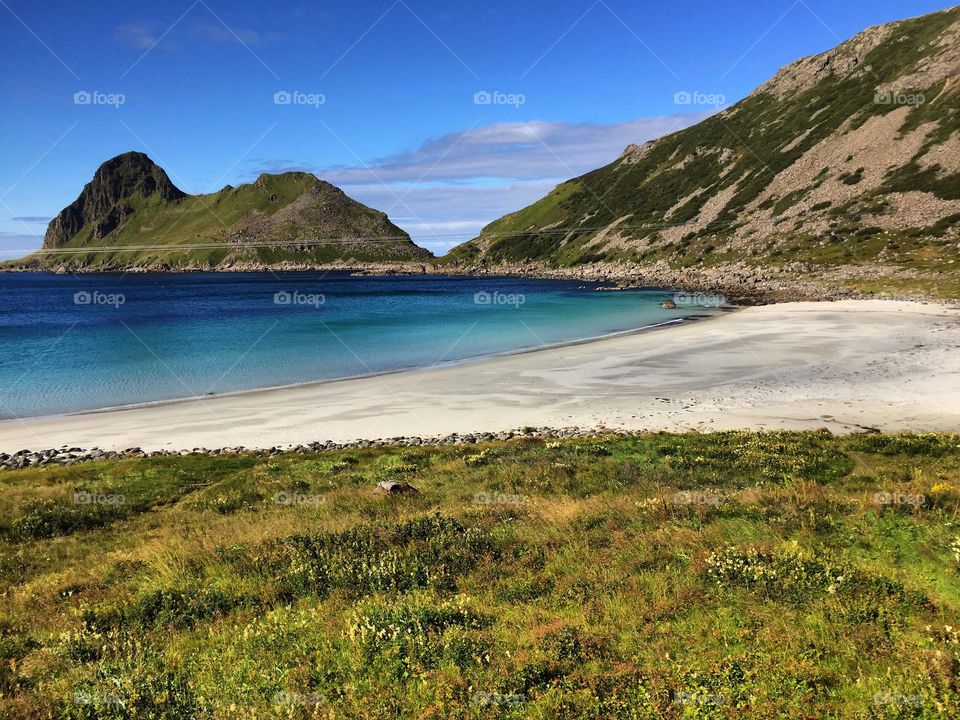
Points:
(70, 456)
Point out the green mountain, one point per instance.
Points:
(844, 166)
(131, 216)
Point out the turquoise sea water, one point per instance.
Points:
(74, 343)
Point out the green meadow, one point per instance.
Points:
(727, 575)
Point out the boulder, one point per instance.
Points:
(392, 487)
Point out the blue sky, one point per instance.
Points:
(383, 94)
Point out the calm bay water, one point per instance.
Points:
(73, 343)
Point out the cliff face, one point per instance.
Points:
(846, 159)
(131, 216)
(103, 204)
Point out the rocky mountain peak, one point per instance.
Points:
(104, 200)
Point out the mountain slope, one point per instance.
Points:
(132, 216)
(845, 160)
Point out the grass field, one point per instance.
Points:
(731, 575)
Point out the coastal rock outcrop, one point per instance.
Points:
(131, 217)
(117, 185)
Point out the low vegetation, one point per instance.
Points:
(727, 575)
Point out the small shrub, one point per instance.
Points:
(400, 468)
(232, 502)
(567, 644)
(167, 607)
(14, 568)
(137, 684)
(593, 451)
(925, 444)
(478, 459)
(376, 625)
(789, 574)
(522, 590)
(55, 518)
(423, 552)
(14, 646)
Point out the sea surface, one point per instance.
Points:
(74, 343)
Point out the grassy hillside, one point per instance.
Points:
(850, 158)
(663, 576)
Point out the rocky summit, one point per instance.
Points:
(130, 216)
(843, 169)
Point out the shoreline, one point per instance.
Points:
(850, 366)
(365, 376)
(742, 284)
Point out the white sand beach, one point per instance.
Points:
(845, 365)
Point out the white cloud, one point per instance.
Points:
(220, 34)
(141, 35)
(512, 150)
(145, 34)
